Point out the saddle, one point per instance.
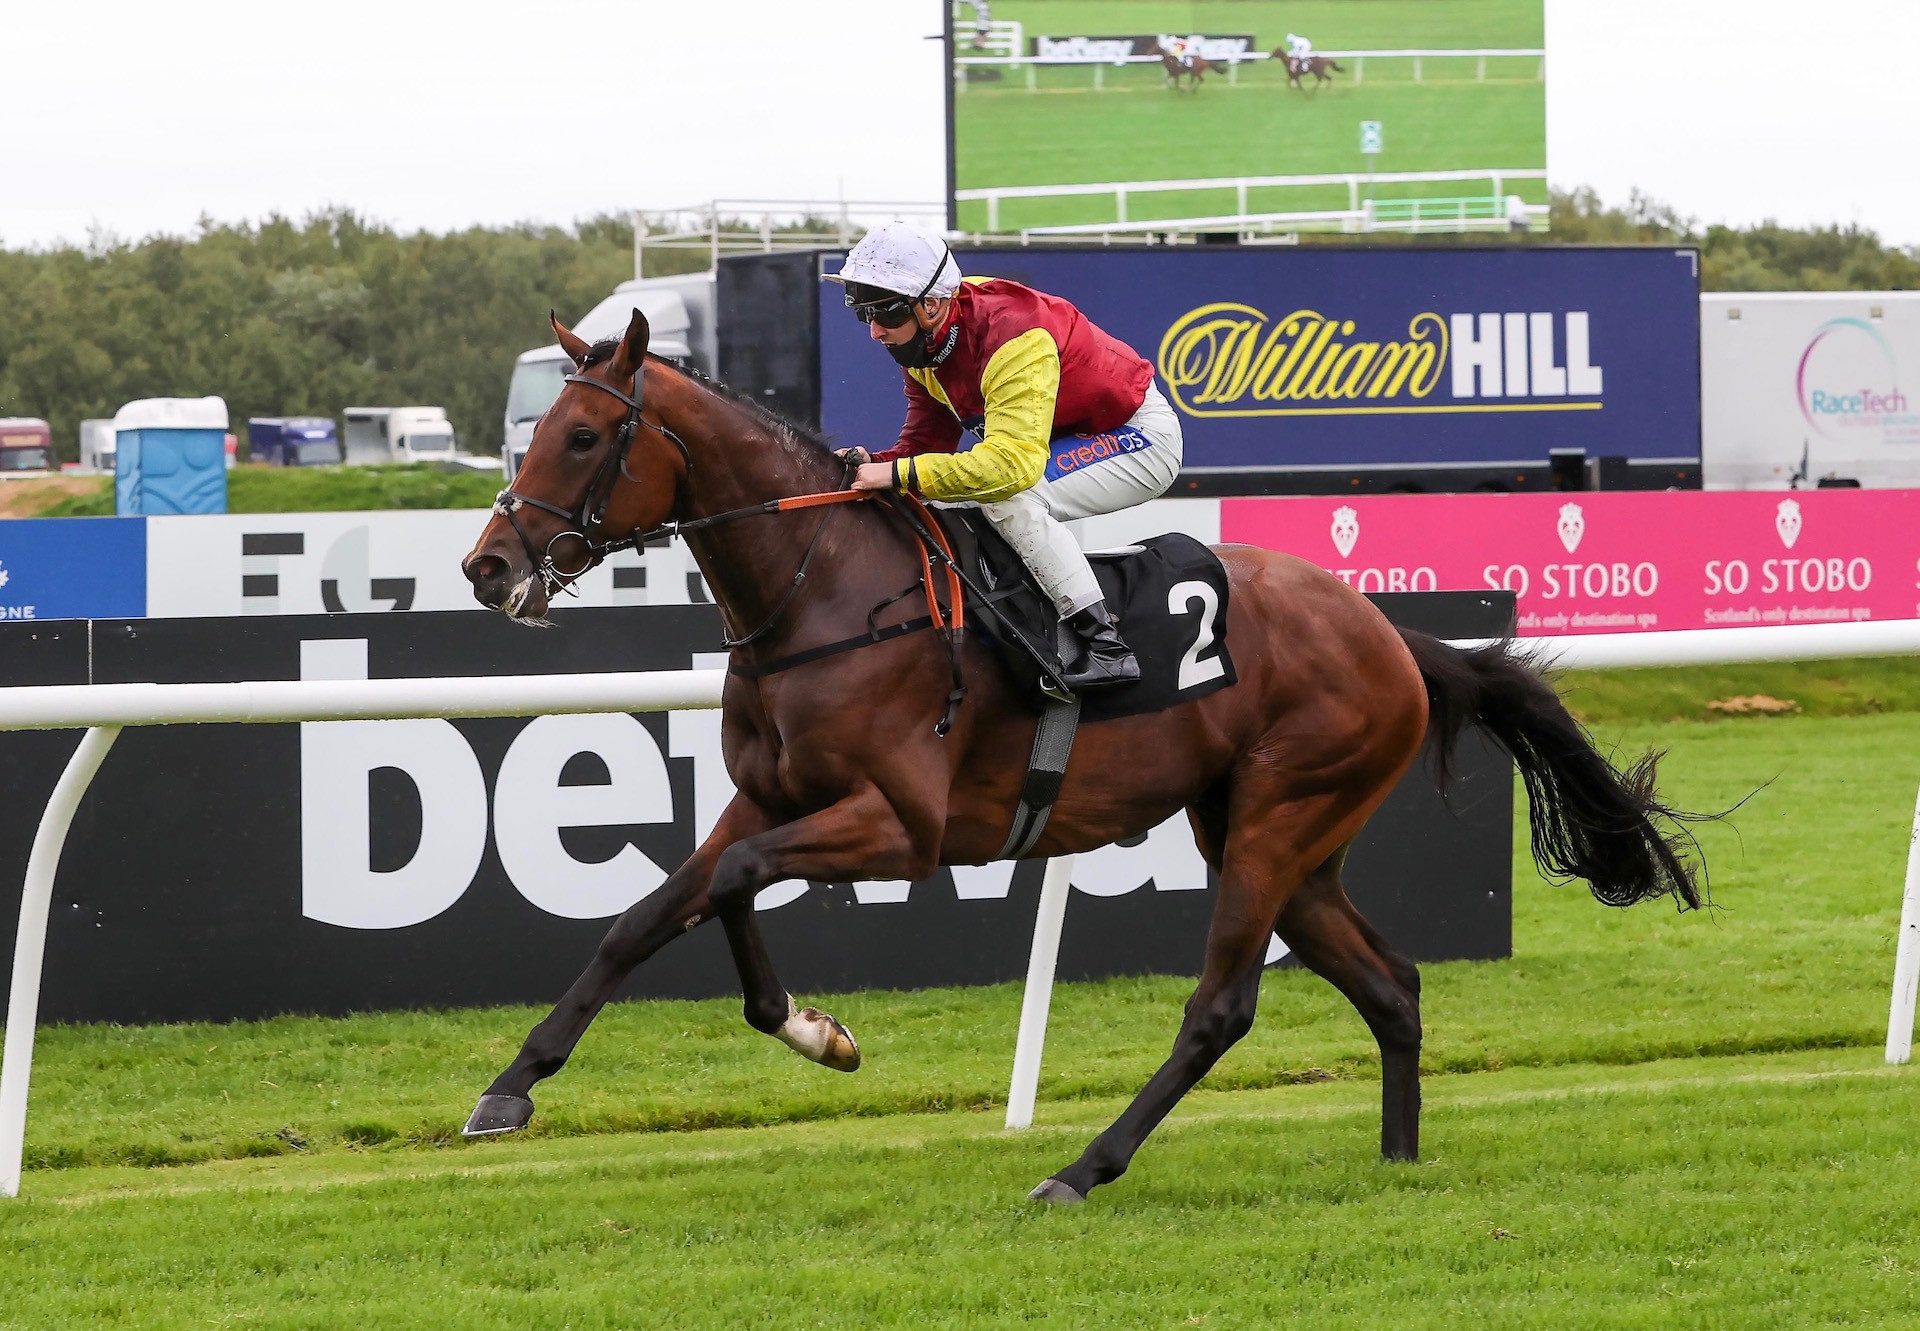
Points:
(1169, 594)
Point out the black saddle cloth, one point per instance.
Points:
(1169, 594)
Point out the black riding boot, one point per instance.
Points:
(1103, 659)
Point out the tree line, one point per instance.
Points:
(289, 318)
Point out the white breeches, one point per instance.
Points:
(1088, 475)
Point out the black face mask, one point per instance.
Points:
(919, 353)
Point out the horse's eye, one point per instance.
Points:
(582, 440)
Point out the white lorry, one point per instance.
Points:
(400, 434)
(1802, 390)
(680, 324)
(97, 444)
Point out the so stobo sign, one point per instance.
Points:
(1608, 562)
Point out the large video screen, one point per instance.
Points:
(1389, 116)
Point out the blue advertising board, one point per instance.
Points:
(1312, 358)
(73, 568)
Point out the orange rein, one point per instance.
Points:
(954, 589)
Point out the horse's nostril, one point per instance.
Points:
(483, 569)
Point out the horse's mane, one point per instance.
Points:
(603, 350)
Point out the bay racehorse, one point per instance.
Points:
(1193, 69)
(1321, 67)
(842, 775)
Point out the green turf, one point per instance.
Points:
(1640, 1120)
(1135, 129)
(324, 490)
(1706, 1193)
(1332, 25)
(1797, 956)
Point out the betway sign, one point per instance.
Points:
(229, 871)
(1096, 50)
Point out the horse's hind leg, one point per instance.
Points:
(643, 929)
(1260, 868)
(1335, 942)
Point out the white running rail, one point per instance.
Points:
(1120, 191)
(1358, 71)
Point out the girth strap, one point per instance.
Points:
(1046, 770)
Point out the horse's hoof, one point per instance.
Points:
(1055, 1193)
(815, 1035)
(496, 1114)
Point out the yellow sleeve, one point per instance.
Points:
(1019, 385)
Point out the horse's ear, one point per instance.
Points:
(570, 341)
(633, 347)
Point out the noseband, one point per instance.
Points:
(591, 512)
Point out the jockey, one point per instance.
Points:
(1190, 50)
(1299, 48)
(982, 22)
(1064, 421)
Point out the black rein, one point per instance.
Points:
(591, 512)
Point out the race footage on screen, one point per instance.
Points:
(1104, 116)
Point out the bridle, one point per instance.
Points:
(591, 511)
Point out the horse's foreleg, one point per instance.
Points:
(643, 929)
(1335, 942)
(860, 837)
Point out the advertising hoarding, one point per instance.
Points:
(1613, 563)
(334, 563)
(237, 871)
(73, 568)
(1091, 114)
(1797, 388)
(1347, 360)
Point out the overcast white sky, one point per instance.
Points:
(139, 117)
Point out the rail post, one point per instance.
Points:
(1906, 957)
(1041, 962)
(30, 948)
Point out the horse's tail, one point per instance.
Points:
(1335, 65)
(1588, 820)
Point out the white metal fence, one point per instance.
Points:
(104, 709)
(1121, 192)
(1416, 58)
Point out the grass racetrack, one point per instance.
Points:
(1640, 1120)
(264, 489)
(1135, 129)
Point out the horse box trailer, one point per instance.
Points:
(400, 434)
(1810, 389)
(1311, 370)
(680, 326)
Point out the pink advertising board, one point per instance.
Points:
(1621, 561)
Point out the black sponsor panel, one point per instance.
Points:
(769, 343)
(211, 867)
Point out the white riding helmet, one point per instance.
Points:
(898, 257)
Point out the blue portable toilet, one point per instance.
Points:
(170, 456)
